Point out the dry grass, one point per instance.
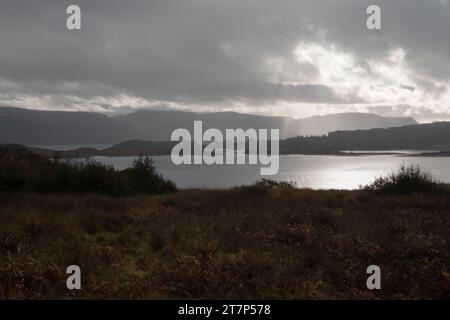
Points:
(244, 243)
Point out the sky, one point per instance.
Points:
(293, 58)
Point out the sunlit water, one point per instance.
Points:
(315, 172)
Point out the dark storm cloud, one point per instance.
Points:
(203, 51)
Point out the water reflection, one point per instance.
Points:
(315, 172)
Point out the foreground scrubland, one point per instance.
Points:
(135, 236)
(254, 242)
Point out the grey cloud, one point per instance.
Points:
(202, 51)
(409, 88)
(421, 114)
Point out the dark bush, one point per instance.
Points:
(23, 170)
(263, 185)
(142, 178)
(408, 180)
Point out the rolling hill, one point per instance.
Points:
(31, 127)
(432, 137)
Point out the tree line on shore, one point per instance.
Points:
(24, 170)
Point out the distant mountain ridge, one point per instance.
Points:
(31, 127)
(432, 137)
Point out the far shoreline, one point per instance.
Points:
(113, 152)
